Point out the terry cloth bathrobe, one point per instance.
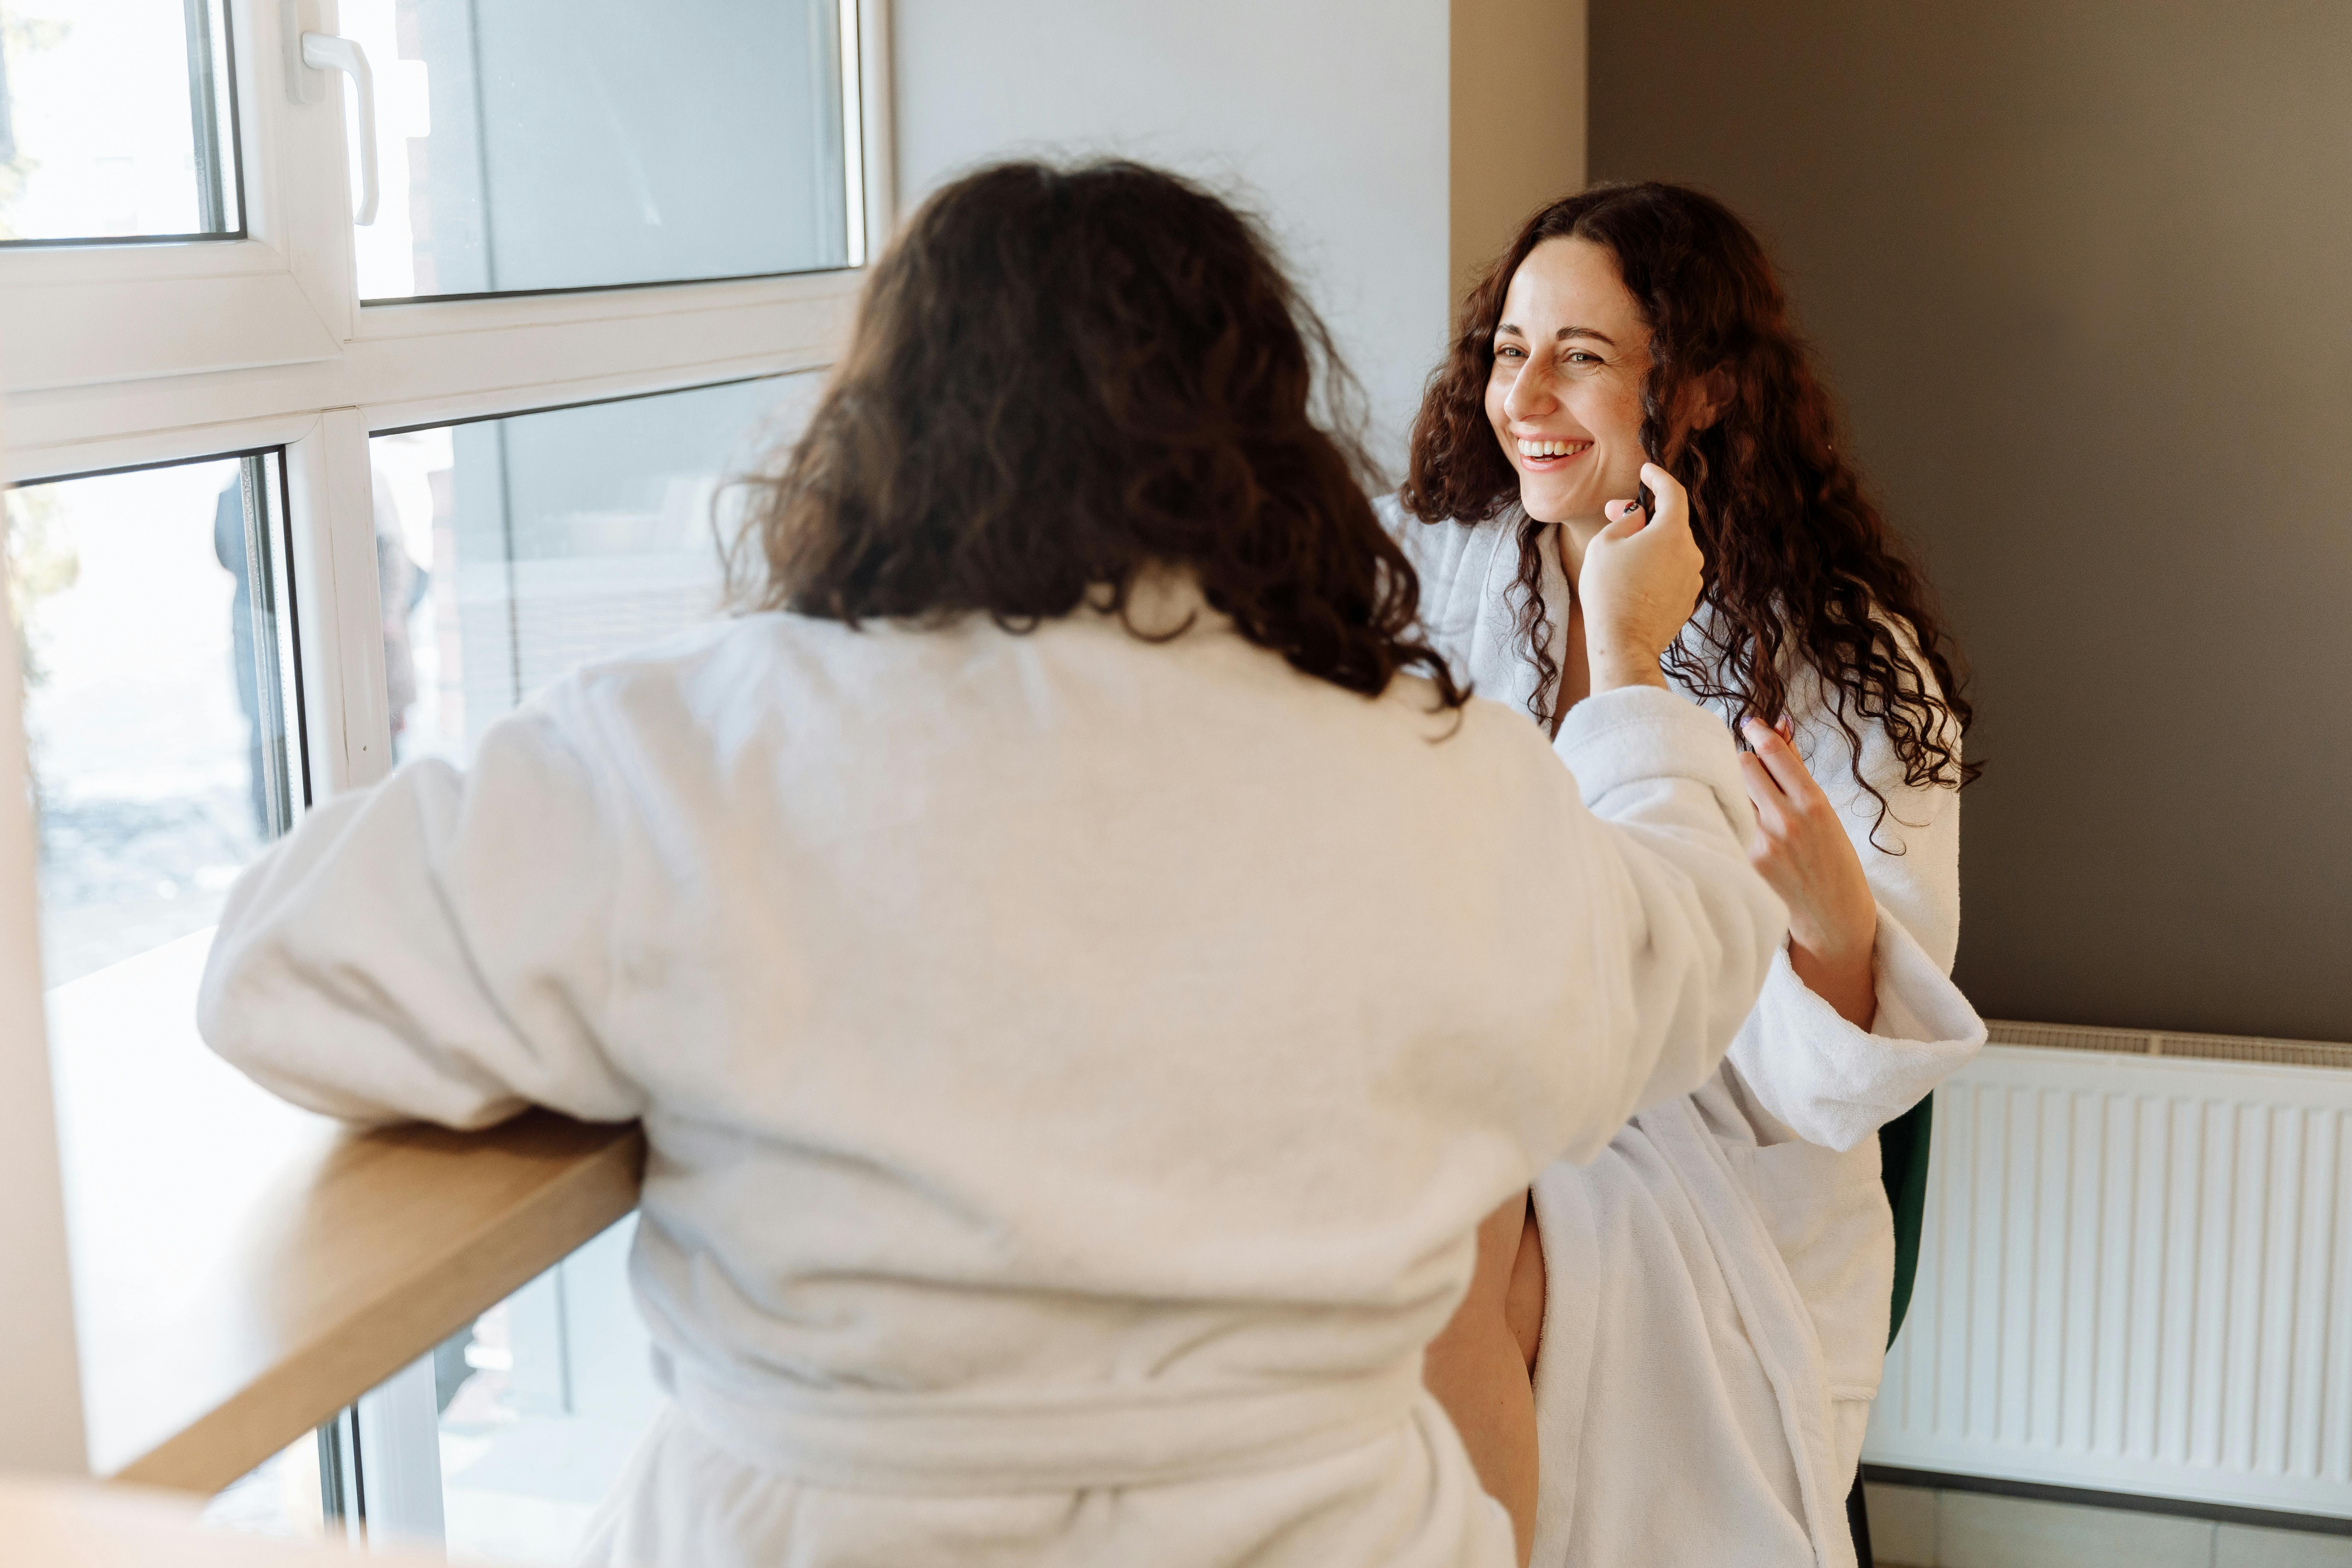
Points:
(1074, 1068)
(1719, 1275)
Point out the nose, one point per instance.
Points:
(1530, 396)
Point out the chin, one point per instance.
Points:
(1548, 505)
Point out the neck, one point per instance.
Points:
(1575, 534)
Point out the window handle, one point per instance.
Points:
(331, 51)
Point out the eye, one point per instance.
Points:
(1582, 356)
(1511, 351)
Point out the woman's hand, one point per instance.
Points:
(1802, 853)
(1640, 583)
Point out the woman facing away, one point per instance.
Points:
(1693, 1324)
(1084, 967)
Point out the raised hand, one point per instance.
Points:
(1640, 583)
(1802, 853)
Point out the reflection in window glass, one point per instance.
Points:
(116, 121)
(537, 144)
(162, 760)
(523, 548)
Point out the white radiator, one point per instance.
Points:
(2136, 1274)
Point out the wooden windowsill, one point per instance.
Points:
(242, 1269)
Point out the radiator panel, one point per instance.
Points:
(2136, 1276)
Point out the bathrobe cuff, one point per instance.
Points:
(1637, 733)
(1832, 1084)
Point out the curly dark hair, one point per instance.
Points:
(1801, 569)
(1060, 377)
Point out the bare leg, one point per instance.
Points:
(1523, 1303)
(1478, 1368)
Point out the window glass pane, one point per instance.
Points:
(543, 1401)
(544, 145)
(523, 547)
(158, 656)
(116, 121)
(280, 1497)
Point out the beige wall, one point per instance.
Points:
(2083, 269)
(1517, 71)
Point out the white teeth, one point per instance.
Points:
(1551, 449)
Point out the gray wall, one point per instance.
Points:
(2083, 271)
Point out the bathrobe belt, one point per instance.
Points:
(1148, 1434)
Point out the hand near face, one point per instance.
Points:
(1803, 854)
(1640, 583)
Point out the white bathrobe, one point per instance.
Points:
(1074, 1068)
(1719, 1276)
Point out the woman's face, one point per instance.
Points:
(1565, 395)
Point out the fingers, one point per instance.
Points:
(1669, 493)
(1779, 758)
(1774, 809)
(1760, 784)
(1625, 520)
(1673, 502)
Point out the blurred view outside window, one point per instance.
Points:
(542, 144)
(116, 121)
(533, 544)
(162, 760)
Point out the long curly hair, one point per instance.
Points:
(1061, 377)
(1801, 571)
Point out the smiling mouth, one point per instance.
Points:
(1542, 455)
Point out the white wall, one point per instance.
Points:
(1326, 117)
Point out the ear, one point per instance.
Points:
(1709, 396)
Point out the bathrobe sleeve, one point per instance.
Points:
(1663, 776)
(1698, 927)
(435, 947)
(1827, 1081)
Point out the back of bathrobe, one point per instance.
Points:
(1074, 1067)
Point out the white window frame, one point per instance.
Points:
(161, 352)
(117, 356)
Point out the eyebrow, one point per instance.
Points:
(1560, 336)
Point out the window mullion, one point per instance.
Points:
(878, 159)
(399, 1434)
(340, 612)
(299, 135)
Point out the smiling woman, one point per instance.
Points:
(1711, 1294)
(1565, 385)
(1700, 370)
